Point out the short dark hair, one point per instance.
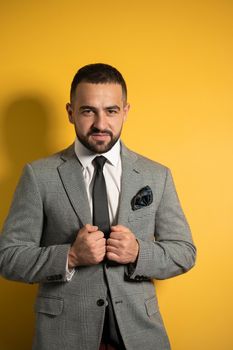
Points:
(98, 73)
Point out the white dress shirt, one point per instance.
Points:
(112, 173)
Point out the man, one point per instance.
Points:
(94, 225)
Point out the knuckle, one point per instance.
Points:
(98, 258)
(109, 255)
(92, 248)
(86, 240)
(123, 245)
(95, 260)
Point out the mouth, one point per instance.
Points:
(100, 136)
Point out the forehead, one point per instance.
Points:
(88, 93)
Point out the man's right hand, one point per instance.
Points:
(89, 248)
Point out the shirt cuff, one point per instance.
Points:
(69, 274)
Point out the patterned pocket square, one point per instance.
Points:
(143, 198)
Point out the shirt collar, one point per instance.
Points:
(86, 156)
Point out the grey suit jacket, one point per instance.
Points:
(49, 207)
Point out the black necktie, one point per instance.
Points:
(99, 197)
(111, 334)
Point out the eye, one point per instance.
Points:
(112, 111)
(87, 112)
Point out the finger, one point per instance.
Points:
(112, 242)
(112, 249)
(120, 228)
(117, 235)
(91, 228)
(101, 250)
(97, 235)
(101, 243)
(113, 257)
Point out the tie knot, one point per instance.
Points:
(99, 162)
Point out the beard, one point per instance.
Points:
(98, 146)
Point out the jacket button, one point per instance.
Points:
(100, 302)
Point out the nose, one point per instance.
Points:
(100, 121)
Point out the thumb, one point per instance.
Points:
(91, 228)
(119, 228)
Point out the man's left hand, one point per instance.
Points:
(122, 245)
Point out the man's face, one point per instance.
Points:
(98, 112)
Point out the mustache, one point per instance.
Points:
(98, 131)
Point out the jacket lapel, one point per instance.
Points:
(131, 181)
(70, 172)
(72, 178)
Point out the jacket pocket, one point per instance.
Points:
(142, 213)
(151, 306)
(49, 305)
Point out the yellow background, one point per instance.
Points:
(176, 57)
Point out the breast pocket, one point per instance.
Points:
(142, 214)
(142, 223)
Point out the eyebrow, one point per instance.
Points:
(94, 109)
(114, 107)
(87, 107)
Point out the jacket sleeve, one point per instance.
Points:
(172, 252)
(21, 256)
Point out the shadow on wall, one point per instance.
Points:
(25, 125)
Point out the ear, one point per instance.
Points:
(69, 110)
(126, 109)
